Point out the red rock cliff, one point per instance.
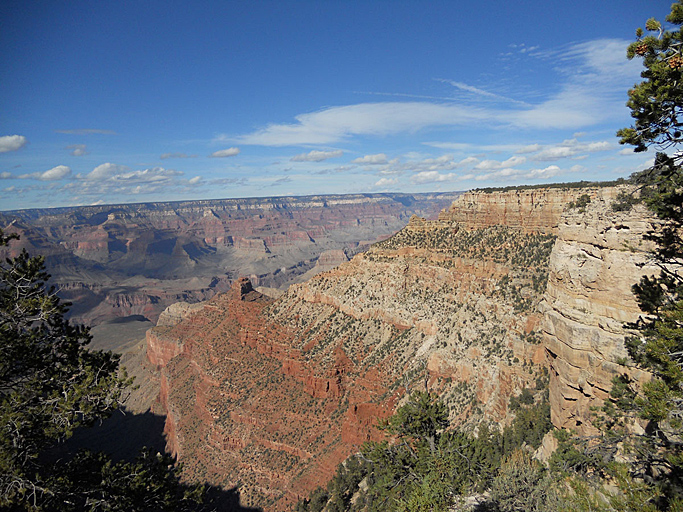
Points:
(275, 393)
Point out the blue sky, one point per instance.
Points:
(114, 102)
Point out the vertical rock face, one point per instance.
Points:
(531, 210)
(598, 256)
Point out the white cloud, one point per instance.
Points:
(515, 174)
(570, 148)
(495, 164)
(627, 151)
(195, 180)
(105, 171)
(225, 153)
(12, 143)
(431, 177)
(596, 74)
(316, 156)
(153, 175)
(377, 159)
(78, 149)
(109, 180)
(338, 123)
(56, 173)
(386, 182)
(593, 77)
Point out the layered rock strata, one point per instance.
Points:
(528, 209)
(598, 256)
(274, 394)
(115, 261)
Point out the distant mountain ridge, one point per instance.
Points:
(118, 261)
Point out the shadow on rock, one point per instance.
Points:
(123, 436)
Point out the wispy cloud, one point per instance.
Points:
(481, 92)
(375, 119)
(317, 156)
(592, 76)
(407, 95)
(78, 149)
(176, 155)
(12, 143)
(223, 153)
(87, 131)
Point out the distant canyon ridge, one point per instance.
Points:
(126, 263)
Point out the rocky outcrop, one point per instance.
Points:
(528, 209)
(599, 255)
(176, 313)
(284, 390)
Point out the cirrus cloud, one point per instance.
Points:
(592, 78)
(316, 156)
(375, 119)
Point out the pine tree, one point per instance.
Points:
(656, 104)
(50, 384)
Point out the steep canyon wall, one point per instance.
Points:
(273, 394)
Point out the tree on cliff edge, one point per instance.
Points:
(656, 105)
(50, 384)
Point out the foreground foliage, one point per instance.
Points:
(50, 384)
(425, 467)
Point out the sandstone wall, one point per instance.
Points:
(532, 210)
(598, 256)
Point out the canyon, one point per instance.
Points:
(504, 291)
(127, 263)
